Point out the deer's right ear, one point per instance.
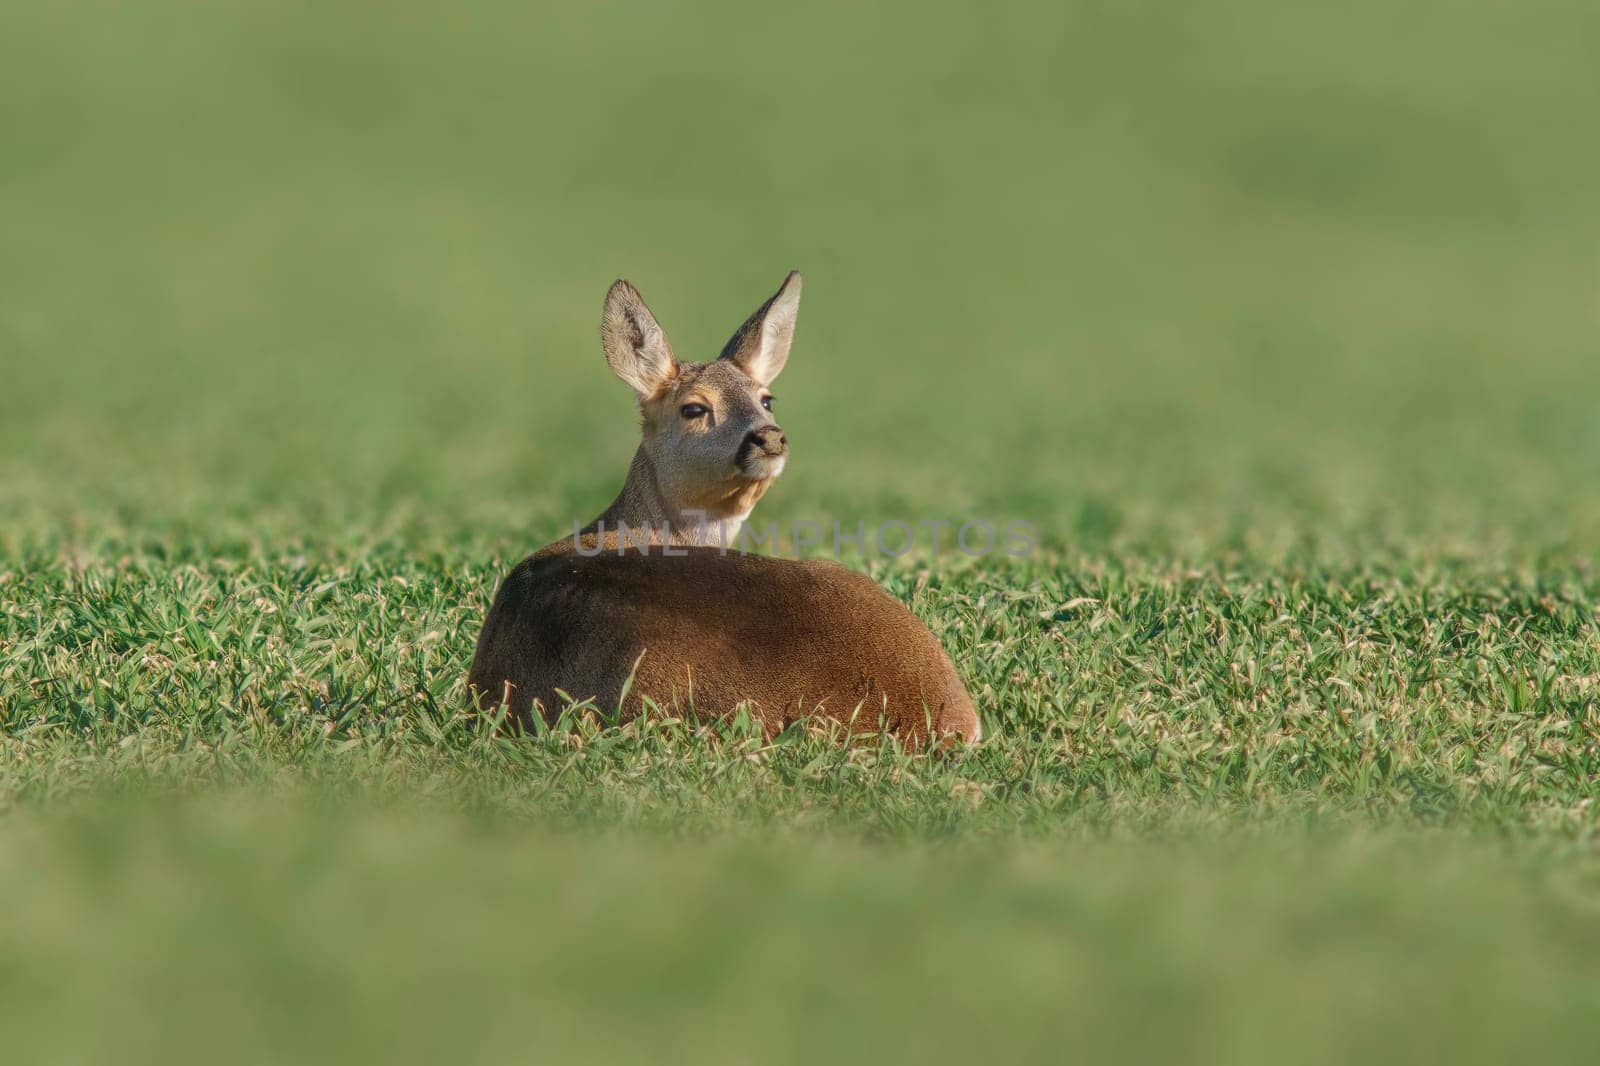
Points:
(634, 344)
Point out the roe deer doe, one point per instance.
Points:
(697, 629)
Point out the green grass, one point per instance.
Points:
(1281, 326)
(311, 935)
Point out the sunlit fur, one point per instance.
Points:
(698, 477)
(703, 632)
(720, 463)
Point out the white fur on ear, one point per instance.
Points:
(761, 346)
(635, 346)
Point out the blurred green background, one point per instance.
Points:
(1118, 268)
(1281, 322)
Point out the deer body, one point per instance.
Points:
(682, 622)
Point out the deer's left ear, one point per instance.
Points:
(761, 346)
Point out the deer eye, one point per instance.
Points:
(766, 402)
(694, 410)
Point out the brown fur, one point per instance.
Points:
(709, 632)
(695, 630)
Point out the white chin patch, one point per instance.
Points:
(765, 468)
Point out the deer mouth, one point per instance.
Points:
(761, 463)
(762, 466)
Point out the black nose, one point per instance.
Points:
(769, 439)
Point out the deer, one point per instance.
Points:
(648, 607)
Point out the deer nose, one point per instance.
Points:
(769, 439)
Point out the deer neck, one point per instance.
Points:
(711, 518)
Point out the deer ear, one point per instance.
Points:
(635, 347)
(761, 346)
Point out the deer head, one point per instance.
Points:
(709, 445)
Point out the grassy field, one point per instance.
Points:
(1281, 326)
